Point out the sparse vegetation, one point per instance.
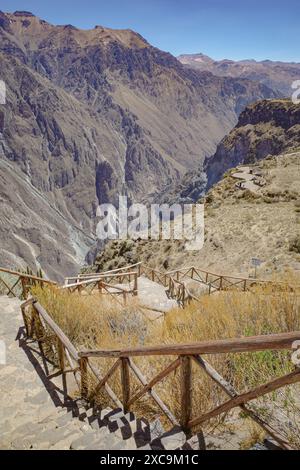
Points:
(295, 244)
(94, 323)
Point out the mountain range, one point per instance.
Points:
(91, 114)
(274, 74)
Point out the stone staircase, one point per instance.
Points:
(37, 413)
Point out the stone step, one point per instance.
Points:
(92, 438)
(31, 419)
(124, 426)
(196, 442)
(171, 440)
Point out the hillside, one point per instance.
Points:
(275, 74)
(264, 128)
(94, 113)
(260, 220)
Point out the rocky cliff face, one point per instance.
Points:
(91, 114)
(276, 75)
(269, 127)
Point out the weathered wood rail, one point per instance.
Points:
(175, 288)
(23, 281)
(175, 281)
(110, 282)
(40, 326)
(132, 268)
(217, 282)
(106, 284)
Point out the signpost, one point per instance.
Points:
(255, 262)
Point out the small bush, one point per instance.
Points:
(295, 244)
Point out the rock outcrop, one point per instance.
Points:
(268, 127)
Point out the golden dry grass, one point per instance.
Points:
(92, 322)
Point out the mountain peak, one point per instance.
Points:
(23, 13)
(32, 31)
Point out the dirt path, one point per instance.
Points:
(248, 179)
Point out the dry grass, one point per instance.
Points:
(95, 323)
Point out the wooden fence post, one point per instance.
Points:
(135, 287)
(186, 393)
(25, 321)
(183, 295)
(84, 377)
(24, 287)
(61, 355)
(125, 380)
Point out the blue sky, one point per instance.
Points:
(231, 29)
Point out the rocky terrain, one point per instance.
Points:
(276, 75)
(90, 114)
(240, 224)
(267, 127)
(264, 128)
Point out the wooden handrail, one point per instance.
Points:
(91, 281)
(233, 345)
(259, 391)
(186, 353)
(232, 393)
(103, 273)
(229, 276)
(99, 278)
(218, 283)
(27, 276)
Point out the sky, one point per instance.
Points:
(232, 29)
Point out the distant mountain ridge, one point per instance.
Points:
(275, 74)
(265, 128)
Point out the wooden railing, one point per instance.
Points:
(185, 354)
(40, 326)
(217, 282)
(93, 275)
(106, 283)
(174, 281)
(178, 289)
(22, 281)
